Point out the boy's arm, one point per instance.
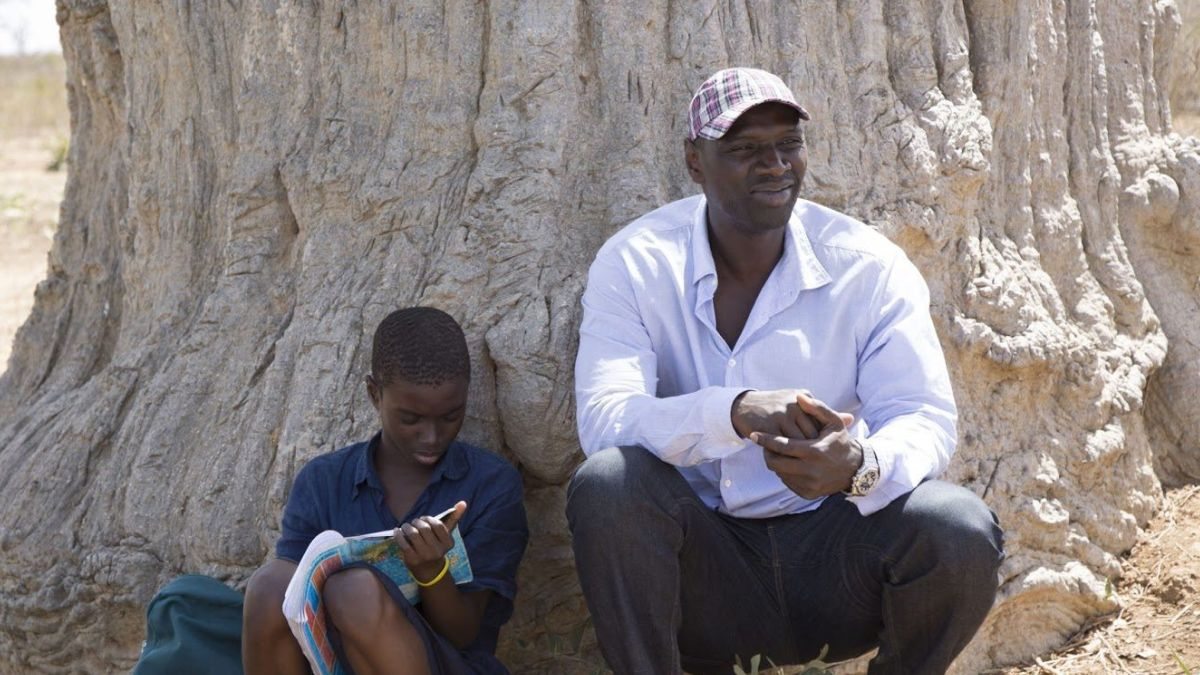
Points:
(495, 537)
(301, 517)
(455, 614)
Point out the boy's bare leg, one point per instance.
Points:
(268, 646)
(376, 636)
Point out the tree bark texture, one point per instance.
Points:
(254, 184)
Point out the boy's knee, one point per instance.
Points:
(354, 598)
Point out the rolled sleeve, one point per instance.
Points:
(495, 540)
(718, 420)
(496, 544)
(908, 403)
(616, 383)
(301, 517)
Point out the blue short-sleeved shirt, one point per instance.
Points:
(342, 491)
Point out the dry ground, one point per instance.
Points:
(1157, 630)
(33, 133)
(29, 198)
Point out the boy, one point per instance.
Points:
(413, 467)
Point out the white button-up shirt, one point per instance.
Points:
(844, 314)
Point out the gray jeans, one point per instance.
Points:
(672, 584)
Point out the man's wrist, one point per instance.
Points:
(733, 414)
(867, 476)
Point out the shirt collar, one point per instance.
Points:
(454, 465)
(702, 259)
(803, 269)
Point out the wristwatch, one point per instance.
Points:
(867, 475)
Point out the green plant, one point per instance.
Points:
(14, 201)
(1183, 668)
(59, 149)
(754, 663)
(815, 667)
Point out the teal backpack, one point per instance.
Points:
(193, 625)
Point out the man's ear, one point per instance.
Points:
(372, 390)
(691, 156)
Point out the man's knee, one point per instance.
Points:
(608, 480)
(263, 609)
(958, 523)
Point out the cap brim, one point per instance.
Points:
(718, 126)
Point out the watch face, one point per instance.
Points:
(865, 481)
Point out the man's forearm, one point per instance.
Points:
(681, 430)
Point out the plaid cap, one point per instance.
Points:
(728, 93)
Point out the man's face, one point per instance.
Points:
(419, 421)
(751, 176)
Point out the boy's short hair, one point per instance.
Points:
(421, 345)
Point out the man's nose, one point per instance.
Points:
(772, 161)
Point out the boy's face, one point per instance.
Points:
(419, 421)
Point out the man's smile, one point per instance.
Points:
(772, 187)
(773, 194)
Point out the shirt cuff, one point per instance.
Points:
(718, 417)
(885, 489)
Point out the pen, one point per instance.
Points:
(383, 534)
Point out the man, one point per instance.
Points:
(411, 468)
(763, 402)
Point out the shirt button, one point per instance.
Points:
(728, 482)
(732, 362)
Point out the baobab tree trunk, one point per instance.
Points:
(255, 184)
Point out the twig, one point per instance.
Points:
(1177, 631)
(1181, 612)
(1184, 495)
(1116, 656)
(1046, 667)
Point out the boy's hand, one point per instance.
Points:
(425, 541)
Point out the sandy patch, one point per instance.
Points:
(29, 200)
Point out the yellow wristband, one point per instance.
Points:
(427, 584)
